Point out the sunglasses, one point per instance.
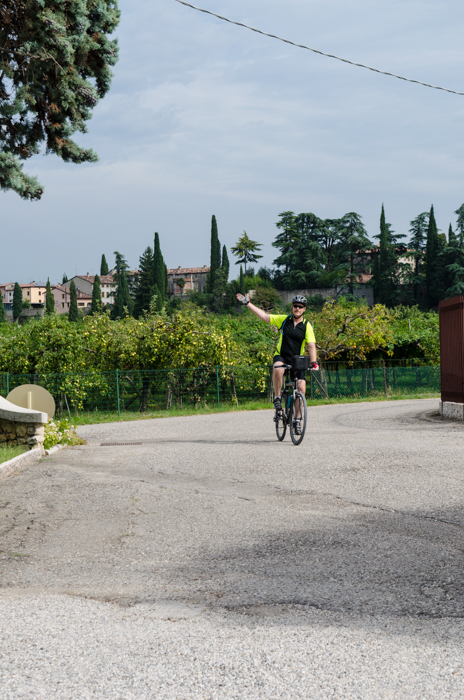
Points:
(298, 306)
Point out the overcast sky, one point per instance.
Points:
(204, 118)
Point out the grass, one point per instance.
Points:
(252, 405)
(7, 453)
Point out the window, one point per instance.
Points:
(62, 296)
(62, 305)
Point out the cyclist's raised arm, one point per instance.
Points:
(245, 300)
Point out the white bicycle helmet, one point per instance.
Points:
(299, 299)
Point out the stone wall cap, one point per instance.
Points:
(8, 411)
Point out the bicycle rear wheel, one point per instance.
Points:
(298, 412)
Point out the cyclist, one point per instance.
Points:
(295, 335)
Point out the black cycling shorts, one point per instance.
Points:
(300, 373)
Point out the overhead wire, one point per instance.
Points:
(321, 53)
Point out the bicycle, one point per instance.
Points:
(293, 402)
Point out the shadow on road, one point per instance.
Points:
(376, 563)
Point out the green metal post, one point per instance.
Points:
(7, 383)
(117, 393)
(217, 383)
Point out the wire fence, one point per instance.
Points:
(154, 390)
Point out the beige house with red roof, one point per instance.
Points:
(194, 278)
(32, 292)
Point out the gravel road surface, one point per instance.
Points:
(211, 561)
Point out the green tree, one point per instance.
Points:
(246, 250)
(103, 266)
(352, 330)
(215, 256)
(386, 268)
(55, 66)
(225, 265)
(159, 271)
(305, 258)
(350, 252)
(286, 239)
(97, 306)
(65, 278)
(434, 263)
(219, 290)
(49, 299)
(418, 231)
(144, 290)
(2, 311)
(17, 301)
(123, 302)
(453, 257)
(73, 313)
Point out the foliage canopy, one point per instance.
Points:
(55, 60)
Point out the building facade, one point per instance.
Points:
(32, 292)
(62, 297)
(84, 284)
(194, 280)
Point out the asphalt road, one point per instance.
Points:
(210, 560)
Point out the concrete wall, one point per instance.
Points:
(332, 293)
(287, 296)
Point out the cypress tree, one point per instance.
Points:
(123, 298)
(418, 233)
(49, 299)
(160, 274)
(454, 257)
(17, 301)
(225, 265)
(385, 270)
(2, 312)
(434, 263)
(215, 255)
(73, 311)
(97, 306)
(103, 266)
(65, 278)
(145, 283)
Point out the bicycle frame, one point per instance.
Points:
(293, 401)
(289, 383)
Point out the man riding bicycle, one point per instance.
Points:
(296, 334)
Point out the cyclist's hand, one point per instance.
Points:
(313, 366)
(243, 299)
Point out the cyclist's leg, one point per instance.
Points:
(278, 375)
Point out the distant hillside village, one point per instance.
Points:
(194, 280)
(318, 258)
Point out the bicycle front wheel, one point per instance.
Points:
(298, 418)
